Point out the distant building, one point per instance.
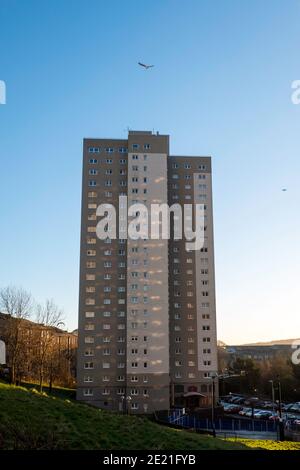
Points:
(63, 342)
(259, 352)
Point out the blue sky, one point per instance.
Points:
(221, 86)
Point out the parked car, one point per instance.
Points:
(244, 411)
(262, 414)
(274, 417)
(233, 409)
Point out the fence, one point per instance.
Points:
(234, 425)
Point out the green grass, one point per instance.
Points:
(60, 392)
(33, 420)
(30, 420)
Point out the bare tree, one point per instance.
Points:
(49, 317)
(17, 304)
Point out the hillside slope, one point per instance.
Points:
(30, 420)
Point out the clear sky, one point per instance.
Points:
(221, 86)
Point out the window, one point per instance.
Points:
(92, 183)
(89, 314)
(135, 146)
(89, 352)
(106, 365)
(94, 149)
(93, 172)
(88, 378)
(89, 339)
(123, 150)
(91, 252)
(92, 194)
(147, 146)
(93, 161)
(205, 305)
(88, 392)
(89, 365)
(90, 289)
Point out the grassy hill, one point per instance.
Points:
(30, 420)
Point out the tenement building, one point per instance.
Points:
(147, 314)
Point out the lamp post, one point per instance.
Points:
(273, 395)
(213, 377)
(279, 396)
(125, 403)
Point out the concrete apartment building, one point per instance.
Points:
(147, 316)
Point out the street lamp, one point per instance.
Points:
(125, 403)
(213, 377)
(273, 395)
(279, 396)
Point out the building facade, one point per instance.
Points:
(147, 316)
